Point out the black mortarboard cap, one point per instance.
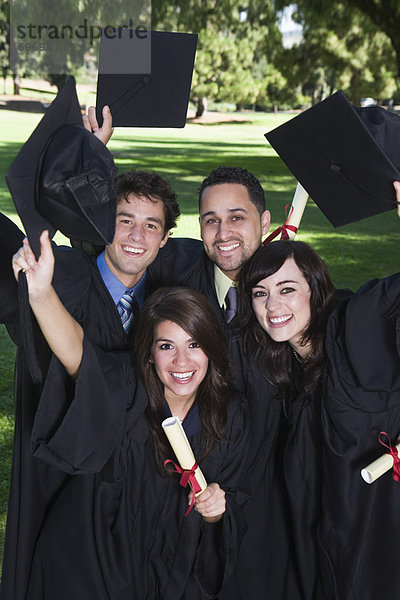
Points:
(64, 177)
(345, 157)
(155, 87)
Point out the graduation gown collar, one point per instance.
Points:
(191, 424)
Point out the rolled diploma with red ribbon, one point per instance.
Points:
(296, 210)
(183, 451)
(379, 467)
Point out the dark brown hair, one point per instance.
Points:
(240, 176)
(151, 186)
(191, 311)
(275, 359)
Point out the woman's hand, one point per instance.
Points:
(63, 334)
(396, 185)
(39, 273)
(211, 504)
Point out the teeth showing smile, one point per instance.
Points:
(183, 376)
(227, 248)
(275, 320)
(133, 250)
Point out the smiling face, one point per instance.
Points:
(281, 303)
(139, 234)
(180, 364)
(231, 226)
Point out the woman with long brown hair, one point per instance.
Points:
(279, 553)
(117, 528)
(336, 368)
(186, 310)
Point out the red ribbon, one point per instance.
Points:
(283, 228)
(188, 476)
(394, 453)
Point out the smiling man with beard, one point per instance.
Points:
(233, 220)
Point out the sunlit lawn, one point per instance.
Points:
(353, 253)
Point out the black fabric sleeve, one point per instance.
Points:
(363, 336)
(10, 241)
(174, 262)
(79, 423)
(72, 276)
(360, 399)
(219, 544)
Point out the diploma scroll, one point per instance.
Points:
(289, 229)
(183, 451)
(296, 210)
(378, 467)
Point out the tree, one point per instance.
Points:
(224, 69)
(5, 45)
(4, 40)
(232, 38)
(66, 32)
(385, 14)
(341, 48)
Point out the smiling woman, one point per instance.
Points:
(336, 368)
(289, 289)
(182, 357)
(117, 500)
(180, 364)
(285, 297)
(281, 303)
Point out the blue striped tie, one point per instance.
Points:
(127, 306)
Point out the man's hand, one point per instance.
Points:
(90, 123)
(39, 273)
(211, 503)
(396, 185)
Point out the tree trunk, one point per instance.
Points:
(314, 96)
(16, 84)
(386, 16)
(5, 73)
(355, 96)
(201, 106)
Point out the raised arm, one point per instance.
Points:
(63, 334)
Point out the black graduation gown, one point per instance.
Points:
(302, 470)
(274, 562)
(176, 261)
(360, 528)
(34, 484)
(10, 240)
(279, 555)
(183, 261)
(117, 528)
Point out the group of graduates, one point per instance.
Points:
(282, 383)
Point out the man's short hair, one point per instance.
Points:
(150, 185)
(240, 176)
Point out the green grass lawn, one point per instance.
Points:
(353, 253)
